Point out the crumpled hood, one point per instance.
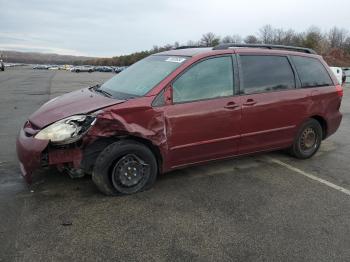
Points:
(78, 102)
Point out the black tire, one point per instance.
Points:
(111, 171)
(308, 140)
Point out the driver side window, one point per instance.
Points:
(208, 79)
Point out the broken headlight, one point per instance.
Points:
(67, 130)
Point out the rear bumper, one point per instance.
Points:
(333, 123)
(29, 151)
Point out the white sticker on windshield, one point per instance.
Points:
(175, 59)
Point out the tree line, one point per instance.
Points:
(333, 45)
(40, 58)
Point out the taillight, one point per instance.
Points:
(340, 90)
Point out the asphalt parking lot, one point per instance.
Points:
(268, 207)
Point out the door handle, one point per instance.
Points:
(250, 102)
(231, 105)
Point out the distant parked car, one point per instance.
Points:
(79, 69)
(41, 67)
(119, 69)
(346, 72)
(2, 66)
(338, 72)
(67, 67)
(103, 69)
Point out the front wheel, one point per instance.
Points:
(125, 167)
(308, 140)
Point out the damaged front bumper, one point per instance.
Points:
(29, 152)
(34, 154)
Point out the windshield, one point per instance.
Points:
(141, 77)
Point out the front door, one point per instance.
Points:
(203, 123)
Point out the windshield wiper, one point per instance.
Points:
(97, 88)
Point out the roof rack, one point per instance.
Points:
(190, 46)
(285, 47)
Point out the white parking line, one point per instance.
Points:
(301, 172)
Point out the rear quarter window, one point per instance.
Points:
(311, 71)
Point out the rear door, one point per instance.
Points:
(271, 103)
(203, 122)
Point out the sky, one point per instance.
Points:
(106, 28)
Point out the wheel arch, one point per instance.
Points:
(91, 151)
(323, 124)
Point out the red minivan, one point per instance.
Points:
(184, 107)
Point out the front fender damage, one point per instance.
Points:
(131, 120)
(145, 123)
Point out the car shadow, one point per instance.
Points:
(52, 183)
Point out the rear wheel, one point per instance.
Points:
(125, 167)
(308, 140)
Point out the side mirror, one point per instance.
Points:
(164, 98)
(168, 95)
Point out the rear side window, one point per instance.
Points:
(311, 71)
(266, 73)
(208, 79)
